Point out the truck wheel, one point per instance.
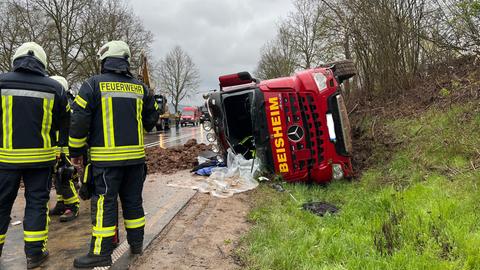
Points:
(343, 70)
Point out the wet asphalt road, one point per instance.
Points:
(175, 137)
(69, 240)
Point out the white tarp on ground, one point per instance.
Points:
(225, 181)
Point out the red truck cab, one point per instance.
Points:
(190, 115)
(297, 126)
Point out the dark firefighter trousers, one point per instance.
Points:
(127, 183)
(37, 193)
(64, 183)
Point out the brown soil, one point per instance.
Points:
(174, 159)
(202, 236)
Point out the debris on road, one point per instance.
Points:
(16, 223)
(206, 166)
(224, 182)
(174, 159)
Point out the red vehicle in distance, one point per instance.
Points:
(190, 115)
(297, 126)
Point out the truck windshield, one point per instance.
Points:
(189, 113)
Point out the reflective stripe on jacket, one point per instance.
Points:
(33, 108)
(110, 114)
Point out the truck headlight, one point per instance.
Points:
(337, 171)
(331, 128)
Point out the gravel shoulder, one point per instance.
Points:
(203, 235)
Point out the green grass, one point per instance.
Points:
(417, 209)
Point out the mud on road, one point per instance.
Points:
(202, 236)
(171, 160)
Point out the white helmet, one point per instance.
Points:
(33, 49)
(61, 80)
(116, 49)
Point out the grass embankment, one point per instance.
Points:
(417, 207)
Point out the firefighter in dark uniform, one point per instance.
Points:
(67, 206)
(34, 107)
(110, 114)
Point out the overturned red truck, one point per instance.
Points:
(297, 126)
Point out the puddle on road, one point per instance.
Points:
(175, 137)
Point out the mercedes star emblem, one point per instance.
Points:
(295, 133)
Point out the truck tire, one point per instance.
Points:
(343, 69)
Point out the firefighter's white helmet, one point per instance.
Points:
(33, 49)
(61, 80)
(115, 49)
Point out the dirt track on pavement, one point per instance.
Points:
(171, 160)
(202, 236)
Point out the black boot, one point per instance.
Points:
(36, 261)
(58, 210)
(70, 214)
(136, 249)
(1, 249)
(91, 261)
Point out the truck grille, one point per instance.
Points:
(313, 124)
(302, 110)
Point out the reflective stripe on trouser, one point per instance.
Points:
(37, 193)
(73, 199)
(134, 223)
(65, 188)
(126, 182)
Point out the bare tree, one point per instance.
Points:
(457, 25)
(384, 38)
(111, 20)
(19, 23)
(305, 39)
(178, 75)
(308, 28)
(71, 32)
(68, 19)
(278, 57)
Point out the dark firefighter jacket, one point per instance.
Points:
(110, 114)
(33, 108)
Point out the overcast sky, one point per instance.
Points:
(222, 36)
